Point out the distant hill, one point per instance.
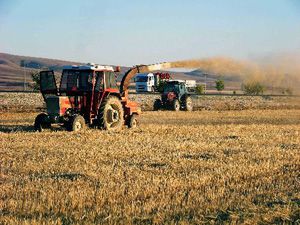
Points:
(13, 68)
(209, 78)
(201, 74)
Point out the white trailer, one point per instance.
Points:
(189, 84)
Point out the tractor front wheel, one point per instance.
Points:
(111, 114)
(157, 104)
(41, 123)
(133, 121)
(176, 105)
(188, 104)
(76, 123)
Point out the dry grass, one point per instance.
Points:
(211, 167)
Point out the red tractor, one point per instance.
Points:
(87, 95)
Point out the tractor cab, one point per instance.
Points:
(77, 80)
(174, 86)
(83, 92)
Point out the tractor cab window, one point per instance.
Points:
(76, 80)
(85, 80)
(171, 88)
(47, 81)
(99, 81)
(110, 80)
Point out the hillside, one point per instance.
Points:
(209, 78)
(15, 70)
(12, 69)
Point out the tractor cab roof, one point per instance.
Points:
(89, 66)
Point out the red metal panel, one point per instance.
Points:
(64, 104)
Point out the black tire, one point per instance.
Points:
(157, 104)
(188, 104)
(133, 121)
(111, 114)
(41, 123)
(175, 105)
(76, 123)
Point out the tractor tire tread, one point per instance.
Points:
(101, 121)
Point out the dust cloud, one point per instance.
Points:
(277, 73)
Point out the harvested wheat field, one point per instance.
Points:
(186, 168)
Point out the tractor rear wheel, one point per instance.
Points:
(175, 105)
(111, 114)
(133, 121)
(76, 123)
(41, 123)
(188, 104)
(157, 104)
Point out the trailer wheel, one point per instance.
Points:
(111, 114)
(175, 105)
(133, 121)
(157, 104)
(76, 123)
(188, 104)
(41, 123)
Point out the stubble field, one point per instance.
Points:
(198, 167)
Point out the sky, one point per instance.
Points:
(130, 32)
